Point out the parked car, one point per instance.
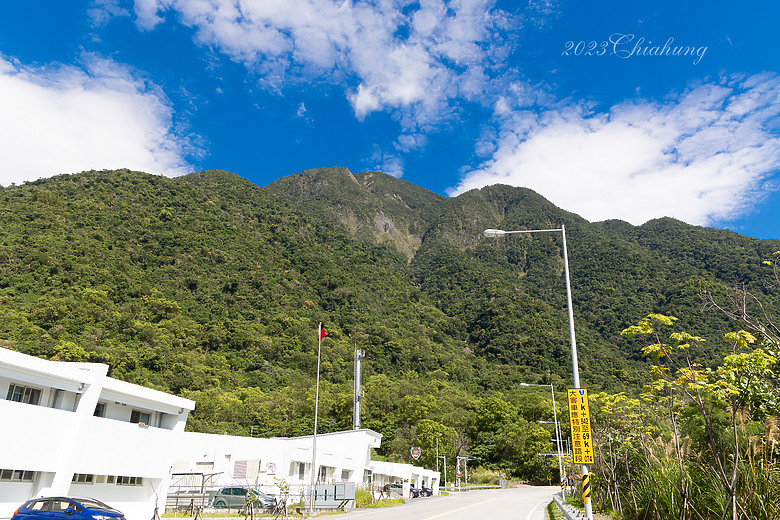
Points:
(237, 497)
(395, 488)
(426, 491)
(414, 492)
(66, 508)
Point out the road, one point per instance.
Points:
(520, 503)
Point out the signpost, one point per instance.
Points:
(579, 417)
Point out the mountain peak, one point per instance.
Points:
(372, 206)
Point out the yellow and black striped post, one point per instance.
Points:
(585, 488)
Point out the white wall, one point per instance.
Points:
(339, 452)
(56, 443)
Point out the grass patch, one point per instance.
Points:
(553, 513)
(485, 477)
(364, 498)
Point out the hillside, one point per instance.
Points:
(372, 206)
(212, 288)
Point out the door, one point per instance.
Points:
(58, 509)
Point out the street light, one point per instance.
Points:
(465, 469)
(574, 364)
(561, 473)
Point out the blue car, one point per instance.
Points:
(66, 508)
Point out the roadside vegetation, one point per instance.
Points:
(700, 443)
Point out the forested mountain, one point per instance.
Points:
(211, 287)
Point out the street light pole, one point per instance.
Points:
(437, 451)
(574, 362)
(561, 473)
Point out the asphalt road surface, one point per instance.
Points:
(520, 503)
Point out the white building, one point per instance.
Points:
(215, 461)
(405, 474)
(68, 429)
(210, 462)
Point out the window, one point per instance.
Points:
(56, 398)
(301, 470)
(23, 394)
(129, 481)
(270, 468)
(137, 416)
(83, 478)
(239, 469)
(60, 505)
(39, 505)
(100, 410)
(16, 475)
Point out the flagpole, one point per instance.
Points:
(316, 409)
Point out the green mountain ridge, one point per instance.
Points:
(211, 287)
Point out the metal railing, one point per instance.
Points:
(569, 511)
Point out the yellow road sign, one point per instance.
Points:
(579, 418)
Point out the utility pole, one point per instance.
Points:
(359, 355)
(437, 451)
(321, 333)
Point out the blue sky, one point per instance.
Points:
(608, 109)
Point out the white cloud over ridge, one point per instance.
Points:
(705, 156)
(65, 120)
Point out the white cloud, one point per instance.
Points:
(704, 156)
(64, 120)
(388, 163)
(101, 11)
(387, 54)
(420, 61)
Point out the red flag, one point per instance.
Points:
(323, 333)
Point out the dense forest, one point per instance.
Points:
(212, 288)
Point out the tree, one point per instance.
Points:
(750, 307)
(728, 388)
